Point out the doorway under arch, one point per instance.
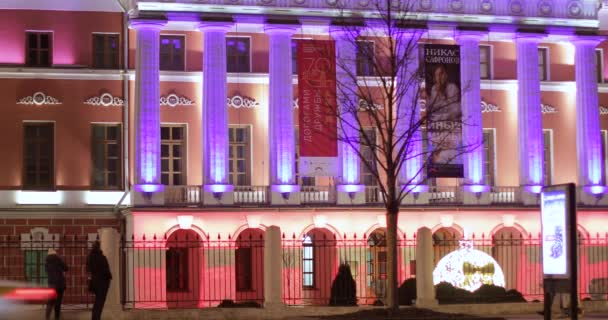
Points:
(184, 263)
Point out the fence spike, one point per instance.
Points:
(355, 235)
(262, 236)
(218, 236)
(473, 235)
(483, 235)
(283, 235)
(415, 235)
(229, 236)
(335, 238)
(144, 237)
(197, 237)
(345, 236)
(133, 237)
(294, 236)
(154, 237)
(165, 236)
(364, 235)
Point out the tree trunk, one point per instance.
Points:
(392, 286)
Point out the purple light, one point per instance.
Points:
(149, 188)
(533, 188)
(218, 188)
(351, 188)
(477, 188)
(419, 188)
(596, 189)
(285, 188)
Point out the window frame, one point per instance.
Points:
(244, 264)
(119, 143)
(29, 63)
(183, 272)
(490, 61)
(302, 181)
(361, 161)
(310, 244)
(599, 64)
(490, 181)
(184, 156)
(248, 151)
(358, 61)
(52, 169)
(249, 53)
(548, 180)
(547, 63)
(162, 67)
(604, 137)
(106, 35)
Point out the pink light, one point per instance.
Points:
(149, 188)
(415, 188)
(185, 222)
(351, 188)
(218, 188)
(31, 294)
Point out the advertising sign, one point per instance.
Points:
(317, 108)
(442, 93)
(558, 218)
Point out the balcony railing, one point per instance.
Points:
(183, 195)
(444, 195)
(505, 195)
(373, 195)
(318, 194)
(251, 194)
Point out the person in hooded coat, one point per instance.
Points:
(55, 269)
(98, 267)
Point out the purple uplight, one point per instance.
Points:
(477, 188)
(218, 188)
(596, 189)
(351, 188)
(285, 188)
(149, 188)
(533, 188)
(415, 188)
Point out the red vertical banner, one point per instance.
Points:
(317, 108)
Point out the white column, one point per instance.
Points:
(273, 264)
(472, 128)
(284, 188)
(350, 190)
(148, 188)
(216, 189)
(110, 245)
(588, 136)
(529, 116)
(425, 289)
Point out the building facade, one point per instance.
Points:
(166, 121)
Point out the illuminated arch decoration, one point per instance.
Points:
(239, 102)
(173, 100)
(39, 98)
(105, 100)
(545, 108)
(603, 111)
(489, 107)
(468, 269)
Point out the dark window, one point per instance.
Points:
(106, 156)
(172, 152)
(172, 53)
(243, 269)
(426, 156)
(39, 49)
(543, 64)
(368, 157)
(599, 64)
(35, 269)
(604, 135)
(294, 56)
(308, 262)
(239, 156)
(485, 62)
(303, 181)
(38, 171)
(237, 54)
(177, 269)
(548, 159)
(489, 153)
(105, 51)
(365, 58)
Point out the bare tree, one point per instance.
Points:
(389, 100)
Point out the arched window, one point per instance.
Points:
(308, 262)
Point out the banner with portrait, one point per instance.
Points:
(443, 107)
(317, 108)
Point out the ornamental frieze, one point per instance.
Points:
(545, 108)
(39, 99)
(489, 107)
(603, 111)
(238, 102)
(105, 100)
(173, 100)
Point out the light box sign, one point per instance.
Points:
(556, 238)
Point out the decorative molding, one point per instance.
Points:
(238, 102)
(603, 111)
(296, 104)
(545, 108)
(105, 100)
(39, 98)
(173, 100)
(363, 105)
(488, 107)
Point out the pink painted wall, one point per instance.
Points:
(72, 39)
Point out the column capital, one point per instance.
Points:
(469, 35)
(344, 32)
(219, 26)
(528, 37)
(147, 24)
(586, 40)
(274, 28)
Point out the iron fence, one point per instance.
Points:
(22, 259)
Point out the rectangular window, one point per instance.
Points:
(604, 134)
(599, 64)
(106, 50)
(38, 172)
(367, 153)
(239, 155)
(426, 155)
(485, 62)
(294, 56)
(243, 270)
(237, 54)
(106, 156)
(308, 262)
(543, 64)
(548, 156)
(489, 156)
(173, 154)
(39, 49)
(35, 269)
(303, 181)
(177, 269)
(172, 53)
(365, 58)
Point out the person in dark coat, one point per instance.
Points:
(98, 267)
(55, 269)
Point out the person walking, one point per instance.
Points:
(55, 269)
(98, 267)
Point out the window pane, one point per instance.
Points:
(165, 133)
(32, 40)
(44, 41)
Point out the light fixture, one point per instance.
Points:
(253, 221)
(185, 221)
(320, 221)
(39, 197)
(447, 220)
(508, 220)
